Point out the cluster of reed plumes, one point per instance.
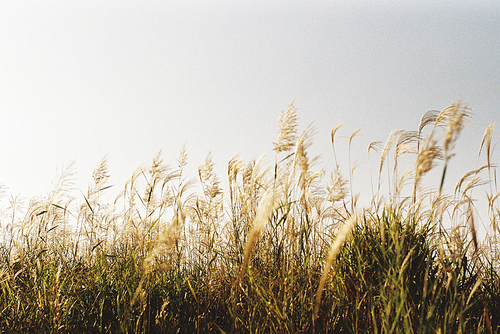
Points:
(279, 251)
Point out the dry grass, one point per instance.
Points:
(279, 251)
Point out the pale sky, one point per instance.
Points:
(84, 80)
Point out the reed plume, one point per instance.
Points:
(287, 130)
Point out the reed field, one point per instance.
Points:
(286, 248)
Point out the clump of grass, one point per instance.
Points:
(281, 250)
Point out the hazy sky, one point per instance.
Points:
(81, 80)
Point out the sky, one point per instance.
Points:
(85, 80)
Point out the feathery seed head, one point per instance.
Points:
(234, 167)
(488, 134)
(182, 158)
(427, 157)
(287, 129)
(337, 189)
(453, 118)
(100, 174)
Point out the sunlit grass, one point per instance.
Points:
(286, 248)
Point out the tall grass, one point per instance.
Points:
(280, 251)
